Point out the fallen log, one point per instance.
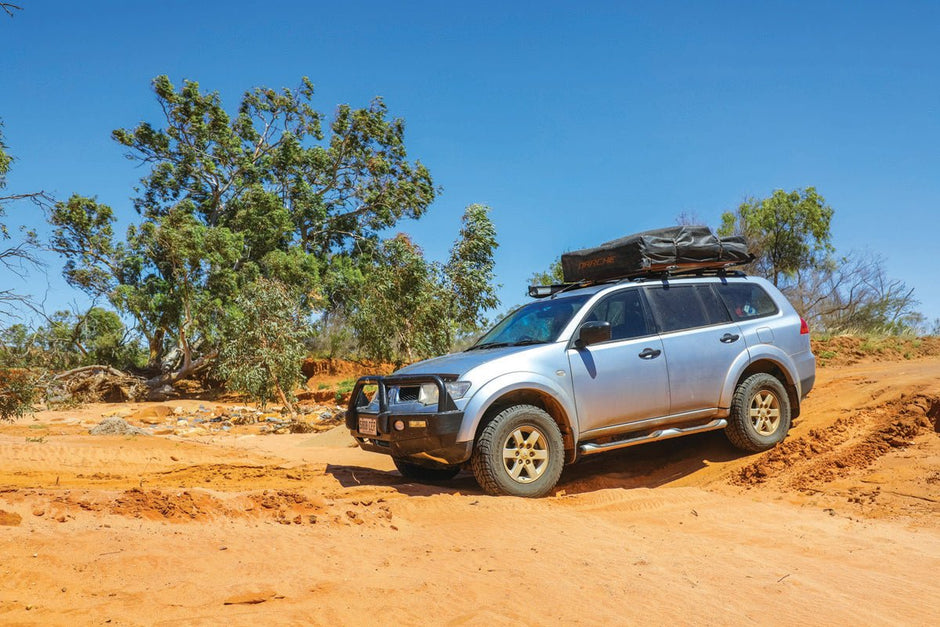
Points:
(95, 383)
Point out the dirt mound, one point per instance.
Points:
(157, 505)
(849, 444)
(9, 519)
(287, 507)
(843, 350)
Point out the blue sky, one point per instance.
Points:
(576, 122)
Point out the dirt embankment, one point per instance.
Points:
(845, 350)
(206, 525)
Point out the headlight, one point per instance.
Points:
(457, 389)
(429, 395)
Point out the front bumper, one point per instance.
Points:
(427, 438)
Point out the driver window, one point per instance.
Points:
(624, 311)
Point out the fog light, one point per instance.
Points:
(399, 425)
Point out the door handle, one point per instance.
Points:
(649, 353)
(727, 338)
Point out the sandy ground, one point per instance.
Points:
(838, 525)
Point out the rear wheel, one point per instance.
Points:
(519, 453)
(760, 414)
(419, 473)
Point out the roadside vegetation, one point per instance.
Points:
(264, 233)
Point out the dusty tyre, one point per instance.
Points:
(760, 414)
(519, 453)
(425, 473)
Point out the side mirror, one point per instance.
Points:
(592, 333)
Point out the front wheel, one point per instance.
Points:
(425, 473)
(519, 453)
(760, 414)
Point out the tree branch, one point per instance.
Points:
(9, 8)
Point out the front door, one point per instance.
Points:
(623, 380)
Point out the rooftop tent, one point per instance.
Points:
(675, 248)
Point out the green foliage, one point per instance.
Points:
(343, 388)
(18, 392)
(334, 336)
(787, 232)
(410, 308)
(68, 340)
(402, 315)
(554, 275)
(469, 274)
(262, 343)
(273, 191)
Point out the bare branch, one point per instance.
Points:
(9, 8)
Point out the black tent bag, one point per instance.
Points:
(675, 248)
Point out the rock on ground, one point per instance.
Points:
(116, 426)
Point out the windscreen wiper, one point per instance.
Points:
(504, 344)
(490, 345)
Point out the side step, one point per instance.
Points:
(590, 448)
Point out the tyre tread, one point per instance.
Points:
(484, 472)
(740, 434)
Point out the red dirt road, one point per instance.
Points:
(839, 525)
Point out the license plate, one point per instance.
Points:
(368, 426)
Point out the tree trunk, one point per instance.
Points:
(185, 371)
(155, 345)
(284, 401)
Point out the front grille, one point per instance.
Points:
(408, 394)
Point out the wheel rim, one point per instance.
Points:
(525, 454)
(765, 412)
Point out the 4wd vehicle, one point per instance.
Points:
(591, 367)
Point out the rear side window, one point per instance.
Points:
(747, 301)
(625, 313)
(686, 307)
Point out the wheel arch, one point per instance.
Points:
(781, 373)
(538, 398)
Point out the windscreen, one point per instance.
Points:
(535, 323)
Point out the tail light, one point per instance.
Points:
(804, 328)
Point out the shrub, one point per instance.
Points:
(262, 343)
(17, 393)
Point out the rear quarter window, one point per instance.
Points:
(747, 301)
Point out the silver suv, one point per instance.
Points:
(592, 369)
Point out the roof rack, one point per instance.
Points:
(708, 268)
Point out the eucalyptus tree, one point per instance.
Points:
(788, 231)
(273, 191)
(412, 309)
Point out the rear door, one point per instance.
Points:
(625, 379)
(700, 343)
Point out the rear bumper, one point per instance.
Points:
(426, 438)
(806, 385)
(806, 370)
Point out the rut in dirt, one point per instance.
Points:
(853, 442)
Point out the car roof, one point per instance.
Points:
(590, 290)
